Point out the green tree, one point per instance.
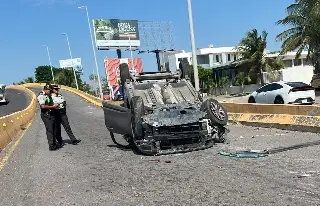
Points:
(29, 80)
(104, 84)
(252, 56)
(241, 80)
(205, 78)
(303, 19)
(225, 83)
(43, 74)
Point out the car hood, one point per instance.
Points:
(176, 114)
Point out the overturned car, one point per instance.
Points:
(162, 113)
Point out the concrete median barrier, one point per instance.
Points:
(293, 117)
(12, 124)
(305, 110)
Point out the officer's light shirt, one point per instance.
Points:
(42, 98)
(58, 100)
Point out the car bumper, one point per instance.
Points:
(165, 140)
(308, 100)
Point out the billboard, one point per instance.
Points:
(72, 63)
(113, 72)
(116, 33)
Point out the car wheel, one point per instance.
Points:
(216, 112)
(137, 111)
(124, 73)
(279, 100)
(251, 100)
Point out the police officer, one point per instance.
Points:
(47, 115)
(61, 117)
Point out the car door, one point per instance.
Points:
(273, 90)
(117, 119)
(261, 94)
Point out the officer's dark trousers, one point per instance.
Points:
(49, 123)
(63, 119)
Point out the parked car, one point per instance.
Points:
(283, 93)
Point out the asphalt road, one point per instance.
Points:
(18, 101)
(97, 173)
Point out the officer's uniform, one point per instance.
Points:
(62, 118)
(48, 118)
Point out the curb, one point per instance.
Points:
(278, 121)
(12, 124)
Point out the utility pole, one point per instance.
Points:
(74, 71)
(50, 63)
(94, 50)
(194, 55)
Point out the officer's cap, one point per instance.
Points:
(55, 87)
(46, 87)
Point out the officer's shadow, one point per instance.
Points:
(67, 141)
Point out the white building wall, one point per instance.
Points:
(301, 74)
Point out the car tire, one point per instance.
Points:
(278, 100)
(251, 100)
(124, 73)
(137, 111)
(215, 111)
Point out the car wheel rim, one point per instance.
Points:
(217, 111)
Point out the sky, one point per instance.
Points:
(26, 25)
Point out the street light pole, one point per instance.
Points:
(74, 71)
(94, 50)
(131, 53)
(50, 63)
(194, 55)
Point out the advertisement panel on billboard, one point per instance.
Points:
(72, 63)
(113, 72)
(115, 33)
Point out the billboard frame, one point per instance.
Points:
(73, 66)
(120, 42)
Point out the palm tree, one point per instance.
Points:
(251, 50)
(303, 17)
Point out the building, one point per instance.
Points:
(220, 58)
(206, 57)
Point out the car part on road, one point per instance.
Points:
(264, 153)
(118, 144)
(164, 114)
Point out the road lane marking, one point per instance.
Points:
(14, 146)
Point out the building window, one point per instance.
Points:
(297, 62)
(309, 62)
(229, 57)
(203, 59)
(287, 63)
(234, 57)
(217, 58)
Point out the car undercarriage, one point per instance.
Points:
(162, 113)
